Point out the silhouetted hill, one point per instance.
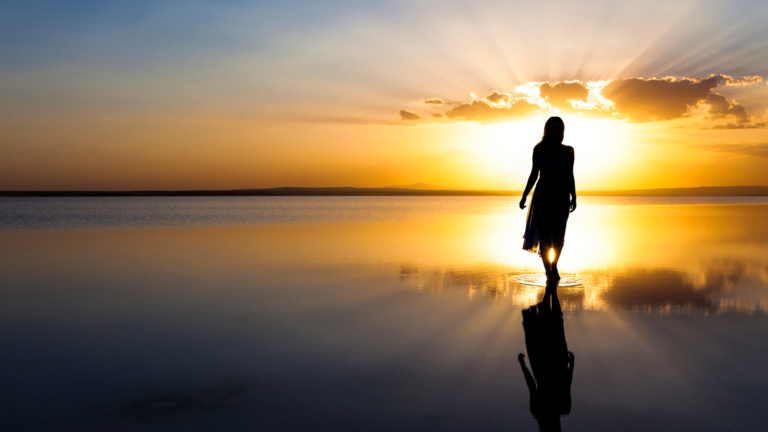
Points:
(394, 191)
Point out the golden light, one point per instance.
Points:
(506, 146)
(600, 144)
(551, 254)
(599, 148)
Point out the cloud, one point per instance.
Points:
(646, 100)
(484, 111)
(558, 94)
(743, 81)
(498, 97)
(409, 115)
(754, 150)
(722, 108)
(635, 100)
(433, 101)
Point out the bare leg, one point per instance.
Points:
(558, 251)
(544, 249)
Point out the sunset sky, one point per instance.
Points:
(103, 95)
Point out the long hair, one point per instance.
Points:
(554, 130)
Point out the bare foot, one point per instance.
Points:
(555, 274)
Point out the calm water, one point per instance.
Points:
(397, 313)
(152, 212)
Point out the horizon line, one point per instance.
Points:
(744, 190)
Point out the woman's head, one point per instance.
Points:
(554, 129)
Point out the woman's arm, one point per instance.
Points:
(531, 179)
(573, 183)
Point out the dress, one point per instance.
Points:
(549, 208)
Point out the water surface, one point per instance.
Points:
(374, 313)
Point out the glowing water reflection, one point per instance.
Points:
(646, 259)
(540, 279)
(661, 259)
(374, 314)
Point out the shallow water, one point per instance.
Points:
(397, 313)
(69, 213)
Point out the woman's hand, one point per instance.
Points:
(573, 204)
(522, 203)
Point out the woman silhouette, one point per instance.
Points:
(552, 364)
(551, 204)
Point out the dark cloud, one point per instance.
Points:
(497, 97)
(409, 115)
(483, 111)
(642, 100)
(653, 99)
(433, 101)
(722, 108)
(754, 150)
(558, 94)
(438, 115)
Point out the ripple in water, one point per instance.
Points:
(540, 279)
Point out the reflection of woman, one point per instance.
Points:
(551, 362)
(548, 212)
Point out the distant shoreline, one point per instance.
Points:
(352, 191)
